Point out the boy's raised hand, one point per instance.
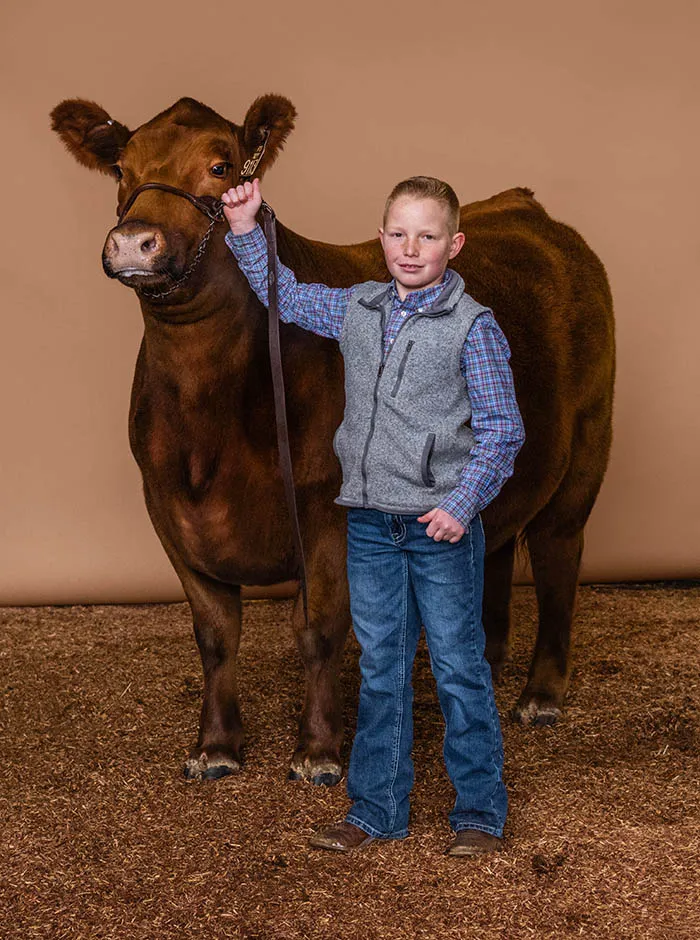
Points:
(241, 205)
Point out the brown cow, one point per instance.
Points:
(202, 423)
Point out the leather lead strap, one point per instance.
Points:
(279, 397)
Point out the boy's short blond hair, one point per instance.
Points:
(427, 187)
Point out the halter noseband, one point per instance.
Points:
(212, 207)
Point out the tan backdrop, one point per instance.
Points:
(592, 105)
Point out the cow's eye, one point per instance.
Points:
(220, 169)
(118, 171)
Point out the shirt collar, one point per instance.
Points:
(419, 298)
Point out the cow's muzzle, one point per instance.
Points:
(137, 255)
(134, 250)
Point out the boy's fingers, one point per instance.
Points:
(241, 193)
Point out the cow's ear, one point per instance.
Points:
(90, 134)
(269, 112)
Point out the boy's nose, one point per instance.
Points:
(410, 247)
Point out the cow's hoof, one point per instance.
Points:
(320, 773)
(326, 780)
(210, 768)
(536, 712)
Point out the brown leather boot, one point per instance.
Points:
(472, 842)
(340, 837)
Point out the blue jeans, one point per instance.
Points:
(400, 578)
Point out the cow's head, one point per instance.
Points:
(189, 146)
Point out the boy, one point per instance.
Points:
(429, 436)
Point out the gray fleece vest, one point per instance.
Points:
(404, 438)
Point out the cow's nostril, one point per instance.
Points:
(148, 246)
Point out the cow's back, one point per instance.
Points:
(550, 295)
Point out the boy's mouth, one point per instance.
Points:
(410, 267)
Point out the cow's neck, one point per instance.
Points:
(223, 329)
(209, 340)
(335, 265)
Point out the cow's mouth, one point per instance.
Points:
(140, 278)
(146, 281)
(134, 272)
(129, 273)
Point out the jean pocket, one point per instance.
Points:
(453, 563)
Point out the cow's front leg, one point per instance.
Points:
(216, 617)
(317, 756)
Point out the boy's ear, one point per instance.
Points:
(457, 244)
(90, 134)
(269, 112)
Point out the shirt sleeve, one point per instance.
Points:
(496, 422)
(314, 307)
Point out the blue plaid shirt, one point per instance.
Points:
(496, 423)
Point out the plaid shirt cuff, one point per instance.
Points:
(250, 249)
(459, 506)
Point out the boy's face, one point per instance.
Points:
(417, 243)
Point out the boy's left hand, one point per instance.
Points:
(442, 526)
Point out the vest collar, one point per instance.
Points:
(446, 300)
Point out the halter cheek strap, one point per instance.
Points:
(210, 206)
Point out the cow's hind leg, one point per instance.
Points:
(317, 755)
(555, 544)
(216, 617)
(498, 580)
(555, 559)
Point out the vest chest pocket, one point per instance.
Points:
(402, 368)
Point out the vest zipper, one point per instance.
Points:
(363, 464)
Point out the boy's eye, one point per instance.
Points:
(428, 236)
